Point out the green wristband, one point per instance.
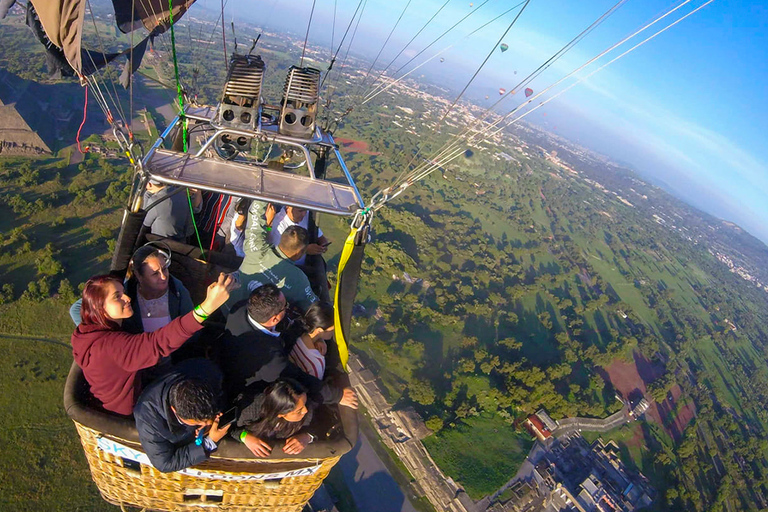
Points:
(201, 313)
(243, 435)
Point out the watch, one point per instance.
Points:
(311, 438)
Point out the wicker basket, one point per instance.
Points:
(230, 480)
(141, 485)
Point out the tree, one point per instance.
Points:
(421, 392)
(434, 424)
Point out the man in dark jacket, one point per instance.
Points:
(173, 413)
(254, 353)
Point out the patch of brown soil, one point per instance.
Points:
(355, 146)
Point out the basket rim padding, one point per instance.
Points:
(76, 393)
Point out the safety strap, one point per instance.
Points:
(350, 263)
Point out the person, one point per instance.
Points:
(295, 216)
(283, 411)
(174, 412)
(168, 211)
(214, 219)
(312, 262)
(254, 353)
(237, 227)
(156, 296)
(264, 263)
(111, 357)
(308, 353)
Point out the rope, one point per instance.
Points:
(178, 87)
(386, 41)
(382, 88)
(603, 66)
(341, 44)
(223, 35)
(197, 233)
(306, 37)
(455, 153)
(85, 114)
(485, 61)
(450, 146)
(407, 45)
(451, 152)
(216, 221)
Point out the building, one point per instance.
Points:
(537, 428)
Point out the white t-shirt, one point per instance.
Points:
(282, 222)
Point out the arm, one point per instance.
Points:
(165, 455)
(74, 311)
(133, 352)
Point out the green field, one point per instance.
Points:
(481, 454)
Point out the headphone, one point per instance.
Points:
(160, 247)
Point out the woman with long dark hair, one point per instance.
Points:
(308, 353)
(283, 411)
(111, 357)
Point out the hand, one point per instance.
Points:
(258, 447)
(218, 292)
(217, 433)
(316, 249)
(270, 214)
(349, 398)
(296, 444)
(321, 347)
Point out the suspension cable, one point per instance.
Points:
(451, 153)
(306, 37)
(454, 153)
(386, 41)
(449, 147)
(384, 87)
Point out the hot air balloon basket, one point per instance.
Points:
(125, 478)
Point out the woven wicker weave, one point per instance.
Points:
(153, 490)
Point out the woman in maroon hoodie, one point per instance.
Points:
(111, 358)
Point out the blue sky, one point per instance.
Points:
(687, 109)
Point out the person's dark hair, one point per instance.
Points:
(94, 295)
(193, 400)
(264, 302)
(280, 397)
(294, 239)
(319, 314)
(136, 265)
(242, 206)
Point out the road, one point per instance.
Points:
(372, 487)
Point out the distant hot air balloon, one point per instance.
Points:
(528, 92)
(487, 97)
(471, 5)
(544, 114)
(515, 71)
(442, 59)
(504, 47)
(502, 91)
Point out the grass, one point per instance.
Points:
(482, 454)
(43, 461)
